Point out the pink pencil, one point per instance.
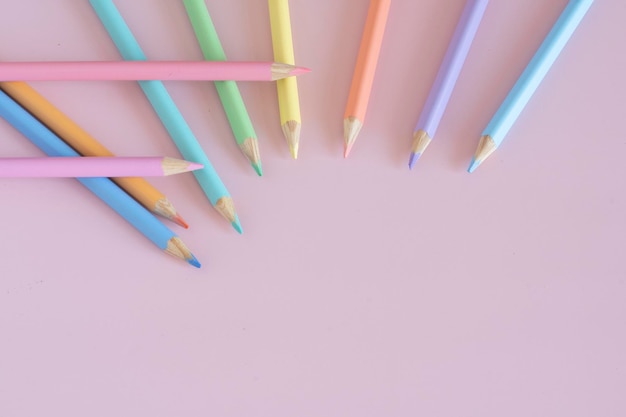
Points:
(147, 70)
(93, 166)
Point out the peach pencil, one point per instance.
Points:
(363, 76)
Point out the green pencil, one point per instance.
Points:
(228, 91)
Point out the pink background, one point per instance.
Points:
(359, 288)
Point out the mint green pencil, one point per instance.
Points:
(228, 91)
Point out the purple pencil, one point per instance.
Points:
(448, 73)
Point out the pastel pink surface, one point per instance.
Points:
(359, 287)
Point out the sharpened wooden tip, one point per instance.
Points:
(164, 208)
(291, 130)
(173, 166)
(280, 71)
(351, 128)
(177, 248)
(486, 147)
(226, 208)
(421, 140)
(250, 148)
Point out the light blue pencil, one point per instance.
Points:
(104, 188)
(167, 111)
(530, 79)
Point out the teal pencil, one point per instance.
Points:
(169, 114)
(527, 84)
(228, 91)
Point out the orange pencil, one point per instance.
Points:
(72, 134)
(363, 76)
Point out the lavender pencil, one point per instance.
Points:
(448, 73)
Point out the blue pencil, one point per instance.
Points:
(167, 111)
(530, 79)
(104, 188)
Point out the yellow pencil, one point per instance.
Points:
(288, 101)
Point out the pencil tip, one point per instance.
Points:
(193, 166)
(351, 128)
(177, 218)
(293, 148)
(237, 226)
(473, 165)
(257, 167)
(193, 261)
(280, 71)
(486, 146)
(164, 207)
(421, 140)
(347, 149)
(226, 208)
(177, 248)
(299, 71)
(250, 148)
(291, 130)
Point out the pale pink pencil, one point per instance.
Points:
(93, 166)
(147, 70)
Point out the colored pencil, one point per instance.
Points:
(140, 189)
(146, 70)
(527, 84)
(229, 94)
(288, 100)
(447, 76)
(104, 188)
(363, 76)
(169, 114)
(93, 166)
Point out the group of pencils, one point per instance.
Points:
(72, 152)
(448, 73)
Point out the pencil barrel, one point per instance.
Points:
(367, 59)
(536, 70)
(282, 43)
